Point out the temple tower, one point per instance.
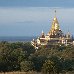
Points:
(55, 30)
(55, 24)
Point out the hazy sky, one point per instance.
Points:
(30, 17)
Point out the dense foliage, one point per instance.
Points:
(22, 56)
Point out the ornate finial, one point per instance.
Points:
(55, 12)
(55, 15)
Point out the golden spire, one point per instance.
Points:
(55, 24)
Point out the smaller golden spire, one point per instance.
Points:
(43, 36)
(42, 32)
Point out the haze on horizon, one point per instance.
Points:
(30, 17)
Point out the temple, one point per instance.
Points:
(53, 37)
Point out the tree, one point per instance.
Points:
(58, 64)
(68, 65)
(26, 66)
(29, 48)
(48, 67)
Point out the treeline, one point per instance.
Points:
(22, 56)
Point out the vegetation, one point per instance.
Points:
(22, 56)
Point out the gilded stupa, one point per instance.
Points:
(54, 36)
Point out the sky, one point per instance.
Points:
(30, 17)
